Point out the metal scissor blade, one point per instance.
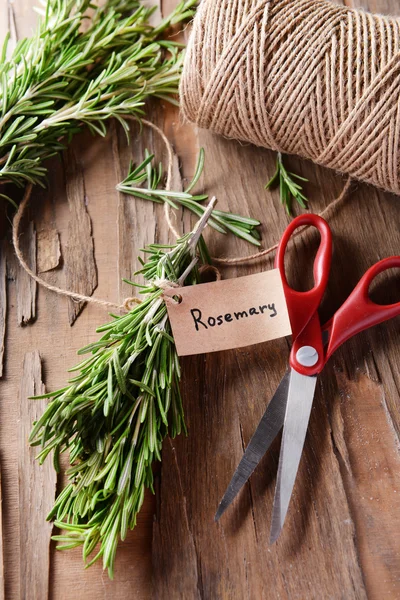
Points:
(298, 409)
(268, 428)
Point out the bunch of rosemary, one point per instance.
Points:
(67, 76)
(114, 414)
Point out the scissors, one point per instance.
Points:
(313, 345)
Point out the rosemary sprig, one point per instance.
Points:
(288, 188)
(114, 414)
(66, 76)
(151, 175)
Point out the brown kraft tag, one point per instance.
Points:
(226, 314)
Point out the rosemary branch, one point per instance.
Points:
(150, 175)
(67, 76)
(288, 187)
(114, 414)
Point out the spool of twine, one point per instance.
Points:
(305, 77)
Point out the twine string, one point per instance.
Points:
(306, 77)
(129, 302)
(53, 288)
(326, 213)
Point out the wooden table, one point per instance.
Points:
(342, 535)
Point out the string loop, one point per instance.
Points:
(129, 302)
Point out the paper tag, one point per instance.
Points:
(228, 314)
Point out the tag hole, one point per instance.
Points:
(177, 298)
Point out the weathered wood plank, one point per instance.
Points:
(37, 486)
(2, 586)
(3, 304)
(58, 343)
(26, 286)
(80, 264)
(3, 21)
(371, 479)
(133, 565)
(8, 24)
(48, 250)
(170, 580)
(333, 536)
(336, 543)
(136, 224)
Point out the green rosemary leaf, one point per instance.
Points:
(198, 171)
(118, 371)
(220, 221)
(241, 233)
(110, 390)
(274, 181)
(237, 219)
(48, 395)
(298, 177)
(288, 188)
(142, 386)
(75, 544)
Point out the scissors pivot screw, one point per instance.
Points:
(307, 356)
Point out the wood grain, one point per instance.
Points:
(26, 286)
(3, 19)
(1, 545)
(37, 487)
(80, 265)
(8, 24)
(337, 542)
(3, 303)
(371, 478)
(341, 538)
(58, 343)
(48, 250)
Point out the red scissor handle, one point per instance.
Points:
(303, 306)
(359, 312)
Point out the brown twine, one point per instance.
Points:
(130, 301)
(206, 269)
(305, 77)
(53, 288)
(327, 212)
